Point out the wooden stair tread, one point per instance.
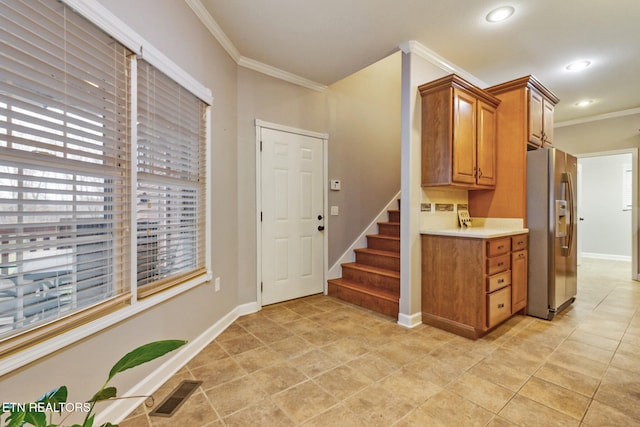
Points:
(378, 252)
(371, 269)
(378, 293)
(383, 236)
(388, 223)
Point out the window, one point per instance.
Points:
(70, 174)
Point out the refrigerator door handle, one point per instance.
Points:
(568, 180)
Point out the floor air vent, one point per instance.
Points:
(175, 399)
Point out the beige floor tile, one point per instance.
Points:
(166, 388)
(580, 365)
(378, 407)
(627, 361)
(481, 392)
(559, 398)
(373, 366)
(343, 381)
(620, 389)
(304, 401)
(258, 358)
(509, 378)
(240, 344)
(584, 350)
(314, 362)
(448, 409)
(498, 421)
(278, 377)
(235, 395)
(344, 350)
(264, 413)
(563, 377)
(337, 416)
(528, 413)
(408, 387)
(272, 334)
(217, 372)
(290, 347)
(281, 314)
(600, 414)
(594, 340)
(135, 421)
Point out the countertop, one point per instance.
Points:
(475, 232)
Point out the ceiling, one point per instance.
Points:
(325, 41)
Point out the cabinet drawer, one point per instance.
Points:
(498, 281)
(498, 246)
(498, 306)
(498, 264)
(519, 243)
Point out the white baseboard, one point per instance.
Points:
(118, 410)
(361, 242)
(609, 257)
(410, 320)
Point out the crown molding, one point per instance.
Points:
(278, 73)
(424, 52)
(597, 117)
(205, 17)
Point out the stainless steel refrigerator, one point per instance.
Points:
(552, 223)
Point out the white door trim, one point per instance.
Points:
(325, 139)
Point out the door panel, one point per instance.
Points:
(464, 137)
(292, 200)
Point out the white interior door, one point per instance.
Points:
(292, 215)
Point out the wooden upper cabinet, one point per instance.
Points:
(486, 135)
(540, 112)
(458, 134)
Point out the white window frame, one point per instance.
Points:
(111, 24)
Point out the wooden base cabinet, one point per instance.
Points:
(471, 285)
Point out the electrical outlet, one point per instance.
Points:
(217, 284)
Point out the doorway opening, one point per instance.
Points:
(607, 207)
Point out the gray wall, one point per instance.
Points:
(606, 229)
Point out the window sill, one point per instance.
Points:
(21, 358)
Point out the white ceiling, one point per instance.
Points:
(325, 41)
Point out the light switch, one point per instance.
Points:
(335, 210)
(335, 185)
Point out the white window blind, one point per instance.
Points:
(171, 180)
(64, 155)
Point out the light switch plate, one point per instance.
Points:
(335, 185)
(335, 210)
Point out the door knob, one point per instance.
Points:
(320, 227)
(319, 217)
(581, 219)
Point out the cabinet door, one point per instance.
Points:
(535, 118)
(486, 151)
(547, 125)
(518, 280)
(464, 137)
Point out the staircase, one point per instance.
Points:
(373, 281)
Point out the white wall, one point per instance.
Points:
(606, 229)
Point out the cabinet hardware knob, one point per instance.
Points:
(500, 264)
(501, 281)
(501, 247)
(500, 305)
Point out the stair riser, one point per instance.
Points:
(371, 279)
(380, 261)
(394, 216)
(364, 300)
(374, 242)
(389, 229)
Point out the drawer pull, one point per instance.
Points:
(500, 280)
(520, 243)
(500, 305)
(501, 247)
(500, 264)
(520, 255)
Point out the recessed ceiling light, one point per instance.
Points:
(578, 65)
(584, 103)
(500, 14)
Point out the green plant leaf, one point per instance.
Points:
(144, 354)
(38, 419)
(89, 421)
(104, 394)
(15, 419)
(55, 396)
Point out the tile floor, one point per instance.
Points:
(319, 362)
